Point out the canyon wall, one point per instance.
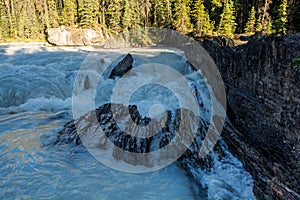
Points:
(263, 94)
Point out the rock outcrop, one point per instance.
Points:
(122, 67)
(221, 40)
(263, 93)
(67, 36)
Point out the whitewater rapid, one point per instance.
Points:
(36, 89)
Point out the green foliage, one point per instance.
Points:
(161, 13)
(68, 15)
(250, 25)
(113, 15)
(297, 63)
(52, 14)
(30, 19)
(131, 15)
(269, 29)
(227, 23)
(281, 21)
(181, 19)
(4, 23)
(258, 25)
(88, 14)
(202, 25)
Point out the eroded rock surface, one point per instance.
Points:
(67, 36)
(99, 128)
(263, 93)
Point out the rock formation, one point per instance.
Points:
(67, 36)
(122, 67)
(263, 93)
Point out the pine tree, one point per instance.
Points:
(126, 15)
(258, 25)
(113, 15)
(250, 26)
(282, 18)
(269, 29)
(161, 13)
(4, 23)
(227, 23)
(203, 25)
(131, 15)
(68, 15)
(136, 14)
(181, 19)
(89, 14)
(52, 14)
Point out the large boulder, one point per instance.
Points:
(67, 36)
(122, 67)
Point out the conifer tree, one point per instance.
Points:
(269, 29)
(126, 15)
(131, 15)
(181, 19)
(52, 14)
(258, 24)
(89, 14)
(113, 15)
(250, 25)
(203, 25)
(227, 23)
(282, 20)
(69, 13)
(136, 14)
(4, 23)
(161, 13)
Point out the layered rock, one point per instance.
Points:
(67, 36)
(263, 94)
(100, 128)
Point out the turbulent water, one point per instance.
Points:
(36, 86)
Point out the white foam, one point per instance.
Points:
(51, 104)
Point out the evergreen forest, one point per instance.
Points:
(22, 20)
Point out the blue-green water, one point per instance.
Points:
(36, 86)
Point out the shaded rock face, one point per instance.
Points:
(263, 93)
(220, 40)
(66, 36)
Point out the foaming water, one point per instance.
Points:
(32, 169)
(36, 86)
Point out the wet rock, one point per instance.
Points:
(122, 67)
(99, 128)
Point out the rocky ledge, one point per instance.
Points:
(68, 36)
(263, 93)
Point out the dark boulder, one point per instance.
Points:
(122, 67)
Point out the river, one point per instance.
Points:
(36, 88)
